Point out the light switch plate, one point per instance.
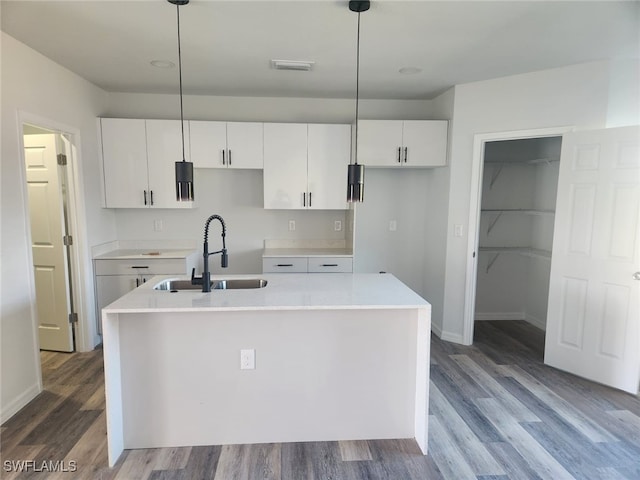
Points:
(457, 230)
(292, 225)
(337, 225)
(393, 226)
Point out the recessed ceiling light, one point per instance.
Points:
(299, 65)
(409, 70)
(162, 64)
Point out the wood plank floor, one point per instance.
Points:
(496, 412)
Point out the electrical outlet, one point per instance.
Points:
(247, 359)
(292, 225)
(337, 225)
(393, 226)
(157, 225)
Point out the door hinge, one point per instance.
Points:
(62, 159)
(67, 240)
(73, 317)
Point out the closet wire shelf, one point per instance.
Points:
(525, 251)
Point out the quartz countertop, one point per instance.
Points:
(317, 291)
(307, 252)
(135, 254)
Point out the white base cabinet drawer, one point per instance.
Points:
(284, 265)
(307, 265)
(170, 266)
(330, 265)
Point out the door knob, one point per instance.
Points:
(636, 276)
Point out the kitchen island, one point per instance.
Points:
(337, 357)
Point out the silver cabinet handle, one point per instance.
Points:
(329, 264)
(405, 154)
(137, 282)
(145, 197)
(223, 160)
(140, 266)
(284, 265)
(399, 150)
(636, 276)
(151, 191)
(309, 198)
(229, 156)
(304, 199)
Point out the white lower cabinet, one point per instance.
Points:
(284, 264)
(330, 265)
(307, 265)
(114, 278)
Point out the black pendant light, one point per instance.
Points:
(184, 169)
(355, 173)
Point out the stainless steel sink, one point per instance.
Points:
(225, 284)
(238, 283)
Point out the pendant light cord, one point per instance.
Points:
(357, 85)
(180, 77)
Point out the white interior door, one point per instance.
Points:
(49, 252)
(593, 320)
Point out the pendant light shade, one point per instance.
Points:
(355, 179)
(355, 173)
(184, 169)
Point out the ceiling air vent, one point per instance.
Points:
(301, 66)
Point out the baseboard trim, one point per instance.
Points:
(19, 402)
(536, 322)
(452, 337)
(436, 329)
(500, 316)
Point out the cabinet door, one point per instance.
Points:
(208, 142)
(124, 157)
(424, 143)
(285, 165)
(164, 148)
(245, 146)
(329, 151)
(379, 142)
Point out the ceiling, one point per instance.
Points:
(227, 45)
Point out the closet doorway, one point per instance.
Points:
(515, 237)
(592, 282)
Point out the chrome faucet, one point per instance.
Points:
(205, 280)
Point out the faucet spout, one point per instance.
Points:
(224, 260)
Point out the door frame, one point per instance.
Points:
(477, 171)
(79, 256)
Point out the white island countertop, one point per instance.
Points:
(316, 291)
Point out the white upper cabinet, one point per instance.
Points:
(164, 149)
(124, 158)
(139, 162)
(402, 143)
(305, 166)
(285, 165)
(226, 144)
(328, 155)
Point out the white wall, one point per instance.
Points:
(435, 217)
(575, 95)
(33, 84)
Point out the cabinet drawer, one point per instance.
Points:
(330, 264)
(284, 265)
(174, 266)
